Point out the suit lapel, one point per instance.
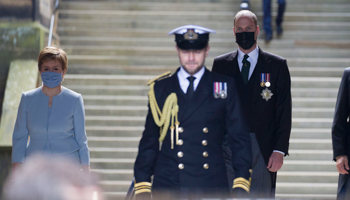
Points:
(204, 89)
(232, 66)
(262, 66)
(174, 87)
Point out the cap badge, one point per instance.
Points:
(190, 35)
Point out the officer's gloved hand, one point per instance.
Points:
(143, 196)
(239, 193)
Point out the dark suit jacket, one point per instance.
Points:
(202, 111)
(340, 128)
(270, 120)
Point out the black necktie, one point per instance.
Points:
(190, 90)
(245, 69)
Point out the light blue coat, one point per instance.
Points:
(64, 129)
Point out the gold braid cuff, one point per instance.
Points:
(143, 187)
(169, 112)
(241, 182)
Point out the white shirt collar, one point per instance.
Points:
(183, 81)
(252, 55)
(253, 59)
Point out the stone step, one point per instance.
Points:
(130, 90)
(139, 121)
(310, 155)
(190, 6)
(111, 163)
(153, 69)
(110, 152)
(115, 195)
(315, 92)
(114, 121)
(222, 33)
(214, 42)
(114, 174)
(115, 100)
(316, 71)
(314, 102)
(173, 61)
(307, 196)
(312, 144)
(170, 51)
(312, 122)
(112, 131)
(290, 165)
(111, 110)
(313, 112)
(315, 82)
(115, 186)
(114, 142)
(184, 15)
(307, 188)
(237, 2)
(307, 177)
(94, 79)
(307, 133)
(163, 24)
(133, 90)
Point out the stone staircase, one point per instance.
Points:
(114, 47)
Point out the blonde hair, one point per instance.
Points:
(53, 53)
(246, 13)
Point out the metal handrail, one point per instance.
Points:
(52, 22)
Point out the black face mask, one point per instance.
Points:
(245, 39)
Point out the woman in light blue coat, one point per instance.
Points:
(51, 118)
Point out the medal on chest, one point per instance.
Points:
(266, 94)
(220, 90)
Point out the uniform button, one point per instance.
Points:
(180, 154)
(181, 166)
(180, 142)
(205, 130)
(206, 166)
(204, 143)
(181, 129)
(205, 154)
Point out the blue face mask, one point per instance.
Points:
(51, 79)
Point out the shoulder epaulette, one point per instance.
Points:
(160, 77)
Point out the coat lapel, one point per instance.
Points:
(181, 97)
(262, 66)
(232, 66)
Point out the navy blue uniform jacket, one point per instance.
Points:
(218, 116)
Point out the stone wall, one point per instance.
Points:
(18, 41)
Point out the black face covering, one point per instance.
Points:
(245, 39)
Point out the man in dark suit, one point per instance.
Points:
(263, 83)
(201, 108)
(340, 136)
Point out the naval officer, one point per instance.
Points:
(264, 87)
(190, 114)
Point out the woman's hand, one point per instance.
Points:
(15, 165)
(86, 168)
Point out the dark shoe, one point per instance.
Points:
(268, 37)
(279, 30)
